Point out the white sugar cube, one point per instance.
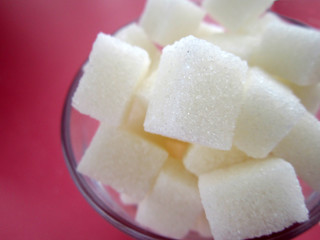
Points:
(252, 199)
(268, 113)
(235, 14)
(197, 94)
(173, 205)
(123, 160)
(166, 21)
(199, 159)
(291, 52)
(136, 36)
(111, 75)
(301, 147)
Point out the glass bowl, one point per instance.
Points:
(77, 131)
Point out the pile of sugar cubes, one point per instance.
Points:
(207, 117)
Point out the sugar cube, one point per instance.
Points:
(308, 95)
(166, 21)
(235, 14)
(123, 160)
(197, 94)
(135, 35)
(268, 113)
(200, 159)
(291, 52)
(241, 45)
(301, 147)
(173, 205)
(111, 75)
(252, 199)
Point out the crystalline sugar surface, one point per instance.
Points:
(197, 94)
(111, 75)
(301, 147)
(123, 160)
(268, 113)
(252, 199)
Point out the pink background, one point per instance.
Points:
(42, 45)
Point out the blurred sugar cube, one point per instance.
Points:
(239, 44)
(235, 14)
(135, 35)
(291, 52)
(301, 147)
(268, 113)
(308, 95)
(166, 21)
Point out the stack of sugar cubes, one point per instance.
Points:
(205, 125)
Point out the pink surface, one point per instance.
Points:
(42, 45)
